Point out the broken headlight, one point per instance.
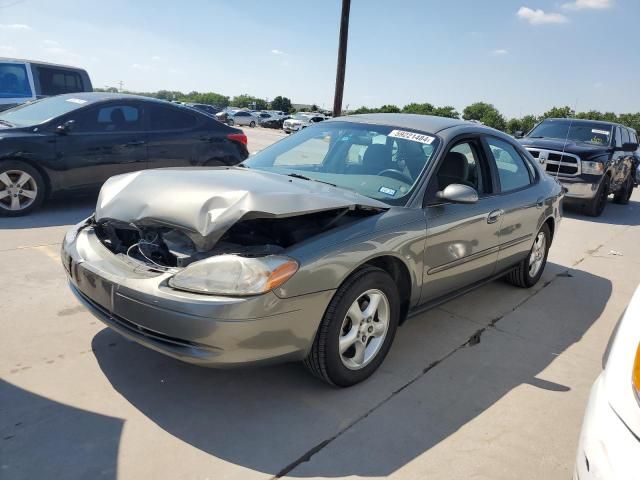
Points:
(592, 168)
(235, 275)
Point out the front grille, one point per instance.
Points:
(555, 162)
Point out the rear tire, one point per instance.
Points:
(624, 194)
(22, 188)
(252, 124)
(530, 269)
(353, 339)
(596, 206)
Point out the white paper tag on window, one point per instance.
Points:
(601, 132)
(415, 137)
(76, 100)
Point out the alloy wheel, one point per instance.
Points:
(364, 329)
(536, 257)
(18, 190)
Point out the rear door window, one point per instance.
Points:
(108, 119)
(14, 81)
(170, 118)
(625, 136)
(56, 81)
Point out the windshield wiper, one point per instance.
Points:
(302, 177)
(8, 124)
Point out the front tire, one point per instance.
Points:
(230, 122)
(22, 189)
(596, 206)
(357, 329)
(530, 269)
(624, 194)
(252, 124)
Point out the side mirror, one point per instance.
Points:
(629, 147)
(458, 193)
(518, 134)
(66, 127)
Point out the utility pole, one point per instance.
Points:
(121, 83)
(342, 58)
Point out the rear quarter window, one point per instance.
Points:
(14, 81)
(169, 118)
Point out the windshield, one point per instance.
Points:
(302, 116)
(14, 82)
(578, 131)
(35, 113)
(380, 162)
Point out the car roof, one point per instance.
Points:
(587, 120)
(38, 62)
(93, 97)
(426, 123)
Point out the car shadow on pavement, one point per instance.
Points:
(614, 214)
(67, 210)
(68, 443)
(442, 372)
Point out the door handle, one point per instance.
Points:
(494, 216)
(134, 143)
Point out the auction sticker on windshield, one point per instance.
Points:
(76, 100)
(601, 132)
(416, 137)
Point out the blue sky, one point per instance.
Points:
(523, 56)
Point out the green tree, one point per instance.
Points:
(630, 120)
(247, 101)
(485, 113)
(419, 108)
(559, 112)
(209, 98)
(389, 109)
(314, 108)
(528, 122)
(281, 103)
(363, 110)
(514, 125)
(446, 111)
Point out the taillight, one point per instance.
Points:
(238, 137)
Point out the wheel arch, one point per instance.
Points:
(399, 271)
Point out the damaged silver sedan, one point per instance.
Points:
(316, 248)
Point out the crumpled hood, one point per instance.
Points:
(206, 202)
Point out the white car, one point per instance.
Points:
(609, 445)
(301, 120)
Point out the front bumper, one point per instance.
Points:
(291, 128)
(607, 448)
(214, 331)
(577, 190)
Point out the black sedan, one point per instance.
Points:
(75, 142)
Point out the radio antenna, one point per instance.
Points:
(566, 138)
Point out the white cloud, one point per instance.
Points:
(499, 52)
(275, 51)
(157, 58)
(539, 16)
(588, 4)
(14, 26)
(51, 43)
(141, 66)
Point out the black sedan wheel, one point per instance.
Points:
(357, 329)
(22, 189)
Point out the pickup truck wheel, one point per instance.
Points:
(530, 269)
(624, 194)
(357, 329)
(596, 206)
(22, 188)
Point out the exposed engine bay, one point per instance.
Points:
(164, 247)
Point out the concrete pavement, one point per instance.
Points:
(491, 385)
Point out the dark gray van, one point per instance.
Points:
(25, 80)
